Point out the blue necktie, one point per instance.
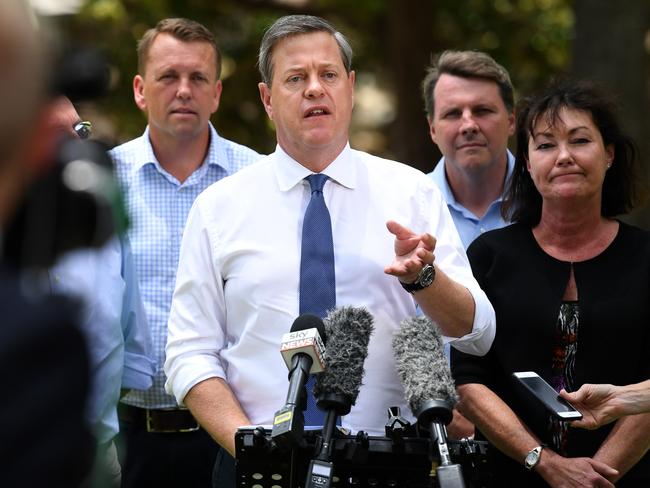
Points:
(317, 283)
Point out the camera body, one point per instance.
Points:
(77, 202)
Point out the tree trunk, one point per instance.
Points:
(411, 43)
(609, 47)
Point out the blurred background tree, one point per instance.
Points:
(393, 41)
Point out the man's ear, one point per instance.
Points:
(265, 96)
(217, 96)
(432, 131)
(511, 123)
(138, 93)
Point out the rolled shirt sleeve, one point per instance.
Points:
(195, 336)
(450, 256)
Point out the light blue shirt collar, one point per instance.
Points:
(439, 177)
(216, 154)
(469, 226)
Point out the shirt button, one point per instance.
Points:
(482, 229)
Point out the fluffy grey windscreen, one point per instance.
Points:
(421, 363)
(348, 332)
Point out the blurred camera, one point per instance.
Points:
(77, 203)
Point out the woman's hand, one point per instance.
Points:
(597, 403)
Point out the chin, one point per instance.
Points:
(475, 164)
(187, 132)
(319, 139)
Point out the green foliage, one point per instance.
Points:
(530, 37)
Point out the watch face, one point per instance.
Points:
(426, 275)
(531, 459)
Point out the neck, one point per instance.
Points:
(180, 157)
(315, 160)
(476, 190)
(574, 232)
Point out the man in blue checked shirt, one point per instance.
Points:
(161, 173)
(469, 102)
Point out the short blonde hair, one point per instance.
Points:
(182, 29)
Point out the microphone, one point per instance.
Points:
(428, 387)
(303, 351)
(337, 388)
(349, 330)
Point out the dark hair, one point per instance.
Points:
(293, 25)
(621, 190)
(466, 64)
(185, 30)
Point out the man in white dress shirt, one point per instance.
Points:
(237, 287)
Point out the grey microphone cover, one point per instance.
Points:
(421, 363)
(348, 332)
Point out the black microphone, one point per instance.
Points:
(303, 351)
(337, 388)
(428, 386)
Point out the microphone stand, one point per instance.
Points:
(435, 414)
(321, 469)
(289, 421)
(397, 428)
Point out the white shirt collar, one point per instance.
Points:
(290, 172)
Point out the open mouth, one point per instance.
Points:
(316, 112)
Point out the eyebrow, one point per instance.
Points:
(302, 67)
(550, 134)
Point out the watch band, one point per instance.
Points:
(532, 458)
(425, 277)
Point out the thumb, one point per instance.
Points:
(398, 230)
(603, 469)
(566, 395)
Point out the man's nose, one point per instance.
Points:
(468, 123)
(184, 90)
(314, 87)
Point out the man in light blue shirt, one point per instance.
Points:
(161, 173)
(115, 326)
(112, 320)
(469, 103)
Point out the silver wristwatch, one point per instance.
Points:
(532, 458)
(425, 277)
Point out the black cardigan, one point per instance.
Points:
(525, 285)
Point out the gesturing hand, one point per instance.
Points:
(412, 252)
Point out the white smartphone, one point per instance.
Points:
(545, 393)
